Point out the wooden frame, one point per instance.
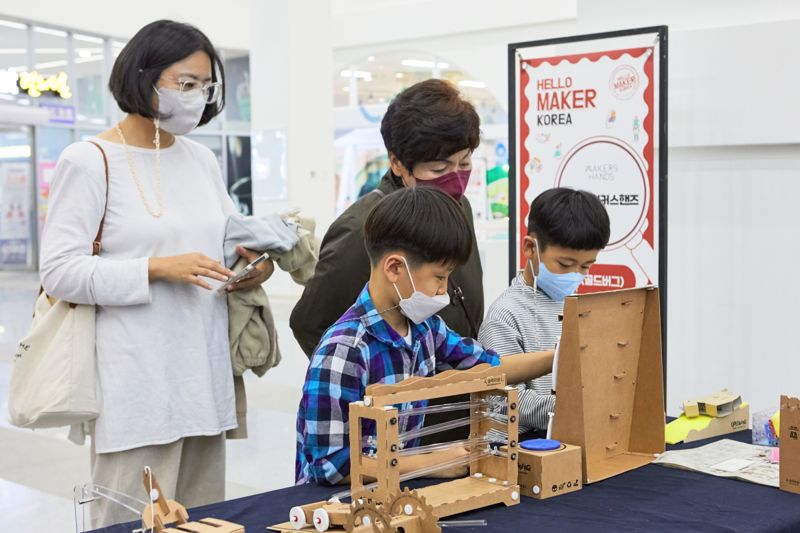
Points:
(492, 479)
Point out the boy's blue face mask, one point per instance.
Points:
(556, 286)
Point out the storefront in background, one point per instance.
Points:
(53, 91)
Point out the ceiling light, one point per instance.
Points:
(359, 74)
(84, 53)
(87, 38)
(50, 64)
(21, 151)
(13, 51)
(50, 31)
(421, 63)
(398, 75)
(371, 59)
(472, 83)
(15, 25)
(90, 59)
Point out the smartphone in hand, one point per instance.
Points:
(243, 273)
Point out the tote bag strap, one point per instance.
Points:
(99, 238)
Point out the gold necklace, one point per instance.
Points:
(159, 199)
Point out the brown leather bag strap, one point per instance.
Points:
(99, 238)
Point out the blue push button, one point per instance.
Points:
(540, 445)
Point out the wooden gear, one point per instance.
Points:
(492, 479)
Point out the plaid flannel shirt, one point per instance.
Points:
(358, 350)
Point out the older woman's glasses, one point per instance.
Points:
(187, 87)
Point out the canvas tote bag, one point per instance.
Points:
(53, 381)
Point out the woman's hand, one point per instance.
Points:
(262, 272)
(187, 268)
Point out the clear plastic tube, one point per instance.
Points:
(493, 402)
(450, 424)
(432, 469)
(462, 523)
(465, 443)
(445, 408)
(435, 428)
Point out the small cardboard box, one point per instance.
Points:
(719, 404)
(610, 386)
(543, 475)
(790, 444)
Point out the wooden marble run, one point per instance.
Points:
(384, 505)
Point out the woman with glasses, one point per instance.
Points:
(163, 357)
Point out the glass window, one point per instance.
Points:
(89, 69)
(240, 183)
(13, 60)
(16, 205)
(49, 83)
(237, 91)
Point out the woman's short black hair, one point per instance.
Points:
(429, 121)
(151, 51)
(424, 223)
(570, 219)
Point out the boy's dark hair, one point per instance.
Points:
(152, 50)
(424, 222)
(569, 218)
(429, 121)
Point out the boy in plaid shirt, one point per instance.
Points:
(415, 237)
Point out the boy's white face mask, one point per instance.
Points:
(419, 307)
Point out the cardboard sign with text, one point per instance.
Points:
(610, 389)
(790, 444)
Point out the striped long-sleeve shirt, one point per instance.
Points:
(522, 320)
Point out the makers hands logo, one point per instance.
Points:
(624, 82)
(493, 380)
(21, 349)
(738, 424)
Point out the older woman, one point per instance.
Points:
(430, 132)
(163, 357)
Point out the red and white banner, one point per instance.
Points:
(585, 121)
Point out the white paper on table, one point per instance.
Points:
(732, 465)
(726, 458)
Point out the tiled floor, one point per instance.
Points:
(38, 470)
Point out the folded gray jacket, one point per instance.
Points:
(251, 326)
(265, 234)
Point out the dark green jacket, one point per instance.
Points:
(343, 270)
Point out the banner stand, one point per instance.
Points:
(590, 112)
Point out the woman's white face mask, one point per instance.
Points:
(179, 113)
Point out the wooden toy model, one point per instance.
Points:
(383, 505)
(162, 512)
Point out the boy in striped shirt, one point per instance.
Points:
(414, 237)
(566, 231)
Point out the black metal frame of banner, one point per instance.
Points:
(662, 32)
